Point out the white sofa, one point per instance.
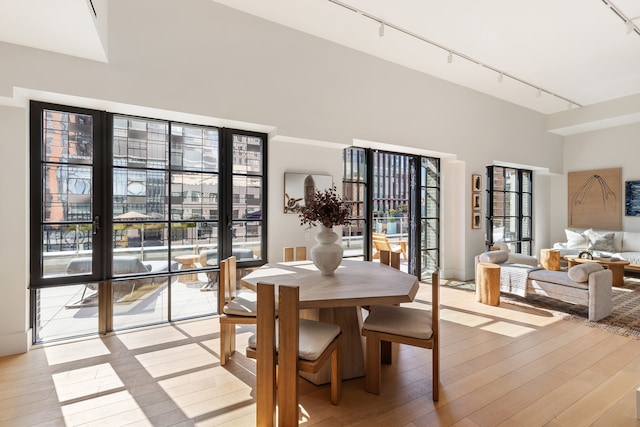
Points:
(585, 284)
(620, 244)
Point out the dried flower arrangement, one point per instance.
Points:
(326, 208)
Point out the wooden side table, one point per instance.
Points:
(187, 262)
(488, 283)
(550, 259)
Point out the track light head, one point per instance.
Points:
(381, 30)
(500, 77)
(450, 58)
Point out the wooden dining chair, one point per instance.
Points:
(302, 345)
(234, 308)
(299, 253)
(403, 325)
(390, 258)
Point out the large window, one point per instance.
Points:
(131, 216)
(509, 208)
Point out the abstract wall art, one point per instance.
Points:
(632, 198)
(595, 199)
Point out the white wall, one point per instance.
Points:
(602, 149)
(198, 61)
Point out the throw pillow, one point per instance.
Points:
(580, 272)
(575, 240)
(495, 257)
(601, 242)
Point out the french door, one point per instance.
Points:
(130, 217)
(397, 195)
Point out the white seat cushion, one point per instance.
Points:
(315, 337)
(404, 321)
(244, 304)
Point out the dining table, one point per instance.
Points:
(339, 299)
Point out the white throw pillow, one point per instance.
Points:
(631, 241)
(580, 272)
(495, 257)
(575, 240)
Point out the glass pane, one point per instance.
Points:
(140, 191)
(67, 193)
(526, 205)
(511, 180)
(137, 239)
(139, 302)
(194, 148)
(352, 238)
(498, 178)
(510, 204)
(526, 228)
(247, 154)
(498, 230)
(66, 249)
(430, 203)
(511, 229)
(247, 197)
(66, 311)
(247, 237)
(526, 181)
(429, 234)
(67, 137)
(430, 172)
(194, 196)
(189, 299)
(140, 143)
(429, 262)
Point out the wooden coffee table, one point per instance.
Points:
(616, 267)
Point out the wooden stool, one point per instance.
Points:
(488, 283)
(550, 259)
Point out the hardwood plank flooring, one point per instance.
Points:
(501, 366)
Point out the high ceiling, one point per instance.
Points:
(553, 54)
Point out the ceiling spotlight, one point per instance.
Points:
(539, 94)
(500, 77)
(381, 30)
(450, 58)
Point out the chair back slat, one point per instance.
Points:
(390, 258)
(288, 336)
(232, 272)
(301, 253)
(223, 280)
(266, 357)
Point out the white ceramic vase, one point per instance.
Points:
(327, 254)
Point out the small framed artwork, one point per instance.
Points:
(632, 198)
(476, 202)
(476, 220)
(476, 182)
(300, 188)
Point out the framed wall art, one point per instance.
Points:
(476, 202)
(476, 220)
(632, 198)
(299, 189)
(595, 199)
(476, 182)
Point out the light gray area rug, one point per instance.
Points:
(625, 319)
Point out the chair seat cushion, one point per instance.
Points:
(315, 337)
(404, 321)
(244, 304)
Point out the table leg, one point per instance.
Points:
(617, 273)
(352, 347)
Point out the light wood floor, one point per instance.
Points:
(501, 366)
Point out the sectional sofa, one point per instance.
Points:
(621, 244)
